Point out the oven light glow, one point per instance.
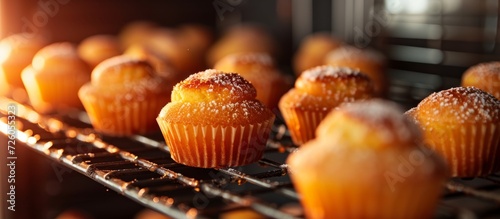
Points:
(417, 7)
(4, 50)
(21, 136)
(407, 6)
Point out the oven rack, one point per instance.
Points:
(140, 168)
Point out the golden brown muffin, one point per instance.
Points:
(124, 96)
(137, 32)
(485, 76)
(259, 69)
(241, 39)
(98, 48)
(170, 44)
(313, 50)
(16, 52)
(214, 120)
(162, 65)
(317, 91)
(54, 78)
(370, 62)
(462, 124)
(368, 161)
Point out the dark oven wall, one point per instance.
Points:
(72, 20)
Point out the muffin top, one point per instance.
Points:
(215, 97)
(124, 78)
(161, 64)
(20, 48)
(326, 86)
(333, 81)
(97, 48)
(459, 105)
(213, 85)
(485, 71)
(59, 58)
(374, 123)
(485, 76)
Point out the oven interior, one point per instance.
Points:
(63, 165)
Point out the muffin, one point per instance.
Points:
(259, 69)
(214, 120)
(163, 66)
(97, 48)
(241, 39)
(485, 76)
(172, 45)
(124, 96)
(317, 91)
(462, 124)
(137, 32)
(54, 78)
(368, 161)
(313, 50)
(370, 62)
(16, 52)
(199, 37)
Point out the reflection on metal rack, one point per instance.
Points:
(140, 167)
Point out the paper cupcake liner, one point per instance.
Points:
(216, 146)
(122, 119)
(34, 94)
(302, 124)
(470, 151)
(11, 73)
(322, 199)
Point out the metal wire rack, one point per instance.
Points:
(140, 168)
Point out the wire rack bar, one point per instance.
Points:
(142, 171)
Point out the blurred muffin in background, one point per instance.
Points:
(485, 76)
(370, 62)
(16, 52)
(97, 48)
(136, 32)
(313, 50)
(260, 70)
(162, 65)
(242, 39)
(199, 37)
(54, 78)
(182, 53)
